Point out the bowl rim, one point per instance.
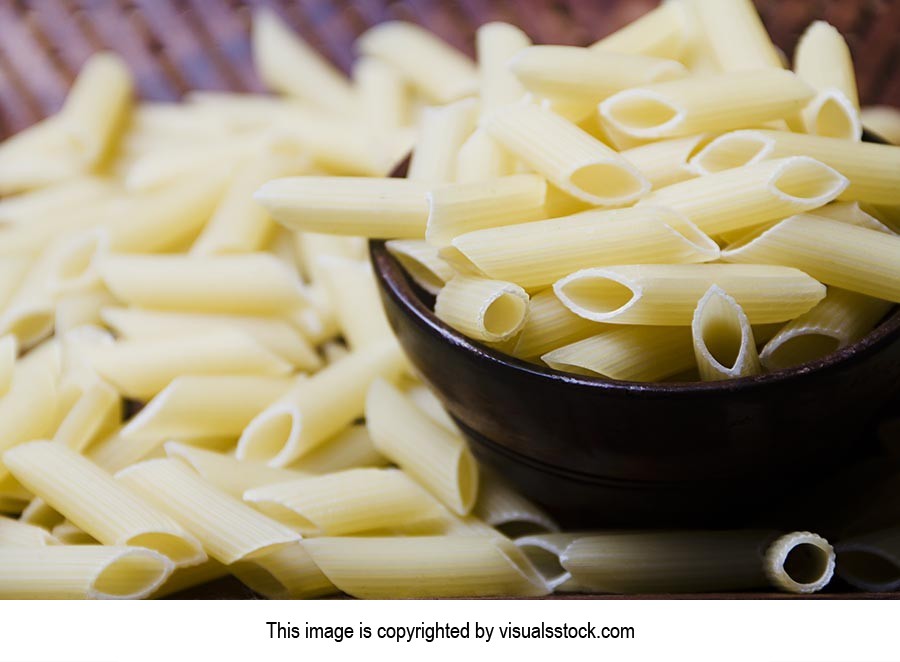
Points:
(396, 283)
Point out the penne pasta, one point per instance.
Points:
(36, 206)
(667, 295)
(436, 458)
(382, 94)
(364, 207)
(854, 214)
(437, 70)
(347, 450)
(871, 561)
(735, 35)
(230, 530)
(425, 399)
(853, 258)
(665, 162)
(723, 339)
(14, 533)
(351, 288)
(567, 156)
(69, 534)
(629, 353)
(501, 507)
(65, 572)
(9, 352)
(495, 44)
(488, 310)
(534, 255)
(96, 412)
(752, 195)
(287, 572)
(185, 578)
(840, 319)
(425, 567)
(883, 120)
(155, 168)
(544, 550)
(90, 499)
(422, 262)
(80, 309)
(442, 131)
(39, 156)
(550, 325)
(699, 104)
(481, 158)
(318, 408)
(661, 32)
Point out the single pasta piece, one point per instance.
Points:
(736, 36)
(79, 572)
(285, 573)
(823, 60)
(48, 201)
(140, 369)
(91, 499)
(97, 106)
(549, 325)
(39, 156)
(495, 44)
(459, 208)
(79, 309)
(311, 246)
(629, 353)
(40, 514)
(835, 253)
(872, 170)
(14, 533)
(883, 120)
(535, 255)
(667, 294)
(365, 207)
(346, 502)
(545, 550)
(584, 75)
(840, 319)
(665, 162)
(752, 195)
(871, 561)
(439, 71)
(500, 506)
(698, 561)
(149, 171)
(96, 413)
(569, 157)
(852, 213)
(482, 158)
(229, 529)
(488, 310)
(430, 454)
(442, 131)
(426, 567)
(423, 264)
(318, 408)
(29, 310)
(382, 94)
(661, 32)
(9, 351)
(288, 65)
(425, 399)
(706, 103)
(723, 339)
(75, 265)
(351, 287)
(116, 452)
(347, 450)
(249, 284)
(204, 406)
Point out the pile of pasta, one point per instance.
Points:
(197, 378)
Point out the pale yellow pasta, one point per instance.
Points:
(535, 255)
(35, 206)
(422, 262)
(204, 406)
(482, 158)
(41, 155)
(569, 157)
(91, 499)
(544, 550)
(227, 472)
(748, 196)
(382, 94)
(852, 213)
(500, 506)
(116, 452)
(439, 71)
(351, 287)
(318, 408)
(629, 353)
(706, 103)
(149, 171)
(873, 170)
(79, 572)
(196, 575)
(364, 207)
(549, 325)
(723, 338)
(346, 502)
(347, 450)
(495, 44)
(697, 561)
(665, 162)
(69, 534)
(40, 514)
(666, 295)
(871, 561)
(488, 310)
(229, 529)
(883, 120)
(823, 60)
(9, 351)
(735, 35)
(97, 106)
(426, 567)
(75, 266)
(248, 284)
(287, 572)
(14, 533)
(835, 253)
(459, 208)
(141, 368)
(840, 319)
(425, 399)
(432, 455)
(442, 131)
(79, 309)
(661, 32)
(96, 413)
(585, 75)
(311, 245)
(13, 270)
(288, 65)
(28, 313)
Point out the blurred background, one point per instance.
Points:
(176, 45)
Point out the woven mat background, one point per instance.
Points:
(177, 45)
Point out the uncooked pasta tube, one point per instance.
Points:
(482, 158)
(286, 572)
(549, 325)
(351, 448)
(723, 339)
(489, 310)
(871, 561)
(495, 44)
(883, 120)
(665, 162)
(661, 32)
(422, 262)
(382, 94)
(737, 39)
(442, 131)
(9, 351)
(351, 287)
(14, 533)
(544, 550)
(500, 506)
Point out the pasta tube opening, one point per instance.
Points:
(184, 551)
(544, 554)
(608, 181)
(832, 114)
(270, 434)
(723, 338)
(642, 113)
(802, 348)
(733, 150)
(800, 562)
(805, 180)
(596, 294)
(76, 269)
(869, 568)
(29, 323)
(504, 315)
(133, 575)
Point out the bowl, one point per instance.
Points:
(595, 451)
